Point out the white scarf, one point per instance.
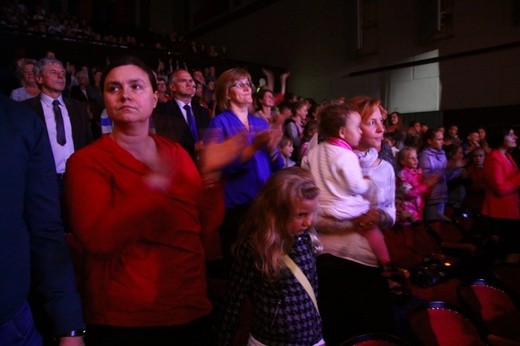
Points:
(366, 158)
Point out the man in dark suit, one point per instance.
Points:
(33, 251)
(180, 119)
(91, 97)
(66, 120)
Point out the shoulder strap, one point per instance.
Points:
(301, 278)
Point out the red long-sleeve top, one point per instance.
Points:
(502, 198)
(142, 258)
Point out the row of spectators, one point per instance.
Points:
(213, 186)
(16, 16)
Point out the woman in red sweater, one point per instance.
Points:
(502, 198)
(136, 208)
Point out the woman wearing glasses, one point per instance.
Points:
(242, 148)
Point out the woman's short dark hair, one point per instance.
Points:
(495, 135)
(129, 60)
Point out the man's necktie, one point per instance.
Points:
(191, 122)
(60, 128)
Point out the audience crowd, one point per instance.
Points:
(172, 179)
(15, 16)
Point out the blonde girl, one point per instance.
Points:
(278, 224)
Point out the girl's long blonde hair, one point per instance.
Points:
(266, 226)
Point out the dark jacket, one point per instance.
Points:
(170, 122)
(33, 251)
(81, 131)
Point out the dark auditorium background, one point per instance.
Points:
(437, 61)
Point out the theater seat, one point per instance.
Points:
(509, 275)
(375, 339)
(495, 308)
(451, 238)
(439, 324)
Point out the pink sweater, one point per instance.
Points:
(410, 194)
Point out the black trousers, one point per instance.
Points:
(353, 299)
(233, 219)
(508, 232)
(195, 333)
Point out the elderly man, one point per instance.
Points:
(180, 119)
(66, 120)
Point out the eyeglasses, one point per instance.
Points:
(241, 85)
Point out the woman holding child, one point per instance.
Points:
(358, 300)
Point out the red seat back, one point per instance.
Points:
(438, 324)
(494, 307)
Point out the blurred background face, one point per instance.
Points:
(510, 140)
(97, 76)
(394, 119)
(287, 149)
(452, 131)
(27, 74)
(417, 128)
(437, 140)
(198, 76)
(474, 138)
(268, 100)
(302, 112)
(478, 157)
(459, 154)
(83, 80)
(410, 160)
(161, 86)
(199, 90)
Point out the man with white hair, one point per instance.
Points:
(66, 120)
